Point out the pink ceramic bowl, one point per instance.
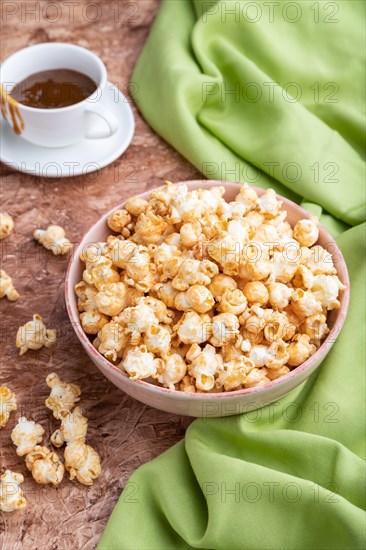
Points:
(212, 404)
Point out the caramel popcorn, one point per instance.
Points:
(6, 287)
(11, 495)
(45, 466)
(63, 396)
(53, 238)
(196, 294)
(6, 225)
(73, 427)
(34, 335)
(82, 462)
(26, 435)
(8, 403)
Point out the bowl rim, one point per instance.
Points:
(70, 297)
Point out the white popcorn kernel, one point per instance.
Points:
(139, 363)
(6, 225)
(326, 289)
(34, 335)
(73, 427)
(279, 295)
(63, 396)
(11, 495)
(7, 288)
(8, 404)
(174, 370)
(45, 466)
(53, 238)
(306, 232)
(157, 339)
(194, 328)
(26, 435)
(82, 462)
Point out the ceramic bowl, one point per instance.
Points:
(211, 404)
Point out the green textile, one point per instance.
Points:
(290, 475)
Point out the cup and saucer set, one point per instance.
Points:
(60, 115)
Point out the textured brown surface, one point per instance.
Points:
(125, 432)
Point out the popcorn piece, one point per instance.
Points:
(11, 495)
(197, 297)
(306, 232)
(225, 327)
(26, 435)
(316, 328)
(167, 293)
(234, 373)
(220, 283)
(247, 196)
(256, 293)
(190, 234)
(73, 427)
(6, 225)
(113, 339)
(92, 321)
(268, 203)
(157, 339)
(255, 264)
(256, 377)
(63, 396)
(8, 403)
(139, 363)
(194, 328)
(34, 335)
(173, 371)
(53, 238)
(204, 364)
(326, 289)
(136, 206)
(110, 300)
(118, 220)
(279, 295)
(320, 262)
(300, 350)
(6, 287)
(149, 227)
(304, 303)
(232, 301)
(82, 462)
(284, 266)
(100, 272)
(192, 272)
(45, 466)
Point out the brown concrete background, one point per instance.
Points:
(125, 432)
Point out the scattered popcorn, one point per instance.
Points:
(26, 435)
(45, 466)
(11, 495)
(8, 404)
(6, 225)
(53, 238)
(6, 287)
(199, 295)
(34, 335)
(82, 462)
(73, 427)
(63, 396)
(306, 232)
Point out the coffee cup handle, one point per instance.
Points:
(108, 117)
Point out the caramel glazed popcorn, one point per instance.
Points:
(196, 294)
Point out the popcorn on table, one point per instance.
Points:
(53, 238)
(45, 466)
(11, 495)
(8, 404)
(198, 295)
(34, 335)
(7, 288)
(6, 225)
(26, 435)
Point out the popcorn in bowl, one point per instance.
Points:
(201, 295)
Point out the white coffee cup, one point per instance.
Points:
(62, 126)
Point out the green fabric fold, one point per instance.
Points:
(290, 475)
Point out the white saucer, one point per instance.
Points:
(88, 155)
